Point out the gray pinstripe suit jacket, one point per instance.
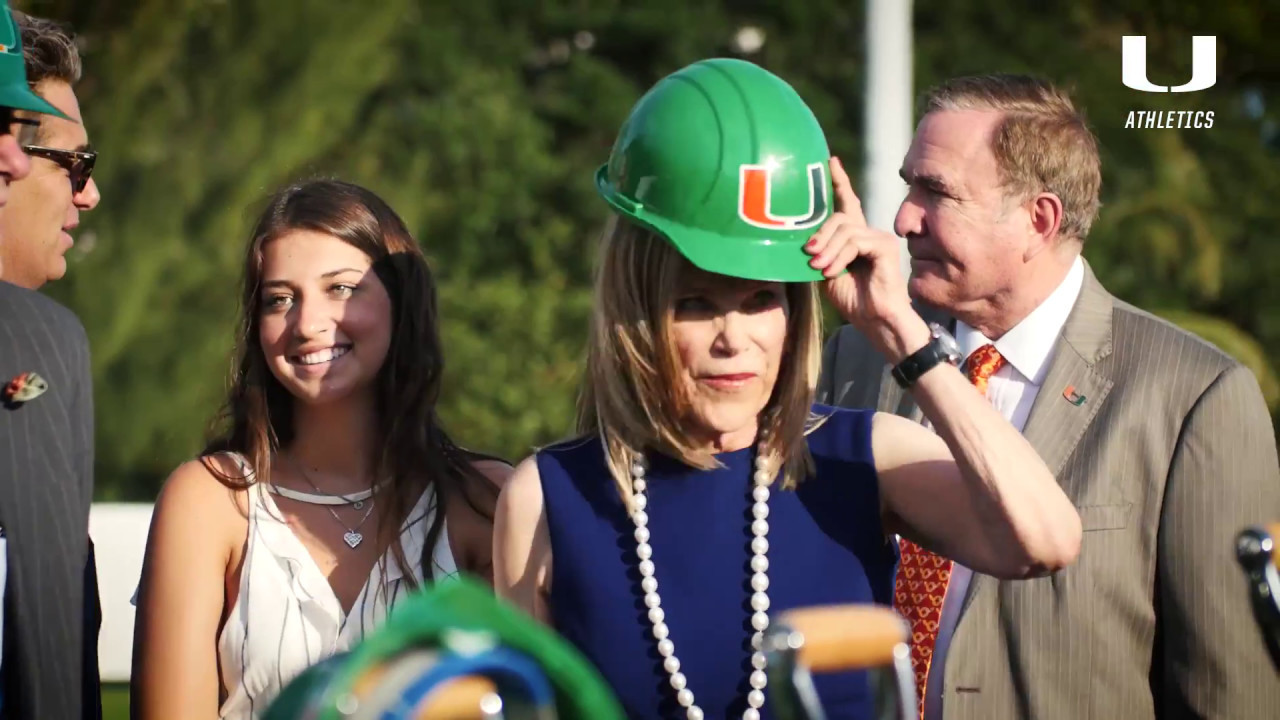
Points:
(46, 487)
(1171, 453)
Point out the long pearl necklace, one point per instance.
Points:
(759, 586)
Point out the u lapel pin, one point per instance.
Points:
(24, 388)
(1073, 397)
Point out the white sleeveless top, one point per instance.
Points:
(286, 617)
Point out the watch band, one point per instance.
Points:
(916, 364)
(935, 352)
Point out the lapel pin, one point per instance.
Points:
(1072, 396)
(24, 388)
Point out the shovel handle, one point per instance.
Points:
(834, 638)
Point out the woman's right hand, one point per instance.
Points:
(864, 275)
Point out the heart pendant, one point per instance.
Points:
(353, 539)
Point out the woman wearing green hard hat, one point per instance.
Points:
(707, 492)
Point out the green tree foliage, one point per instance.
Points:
(482, 122)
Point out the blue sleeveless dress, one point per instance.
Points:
(826, 545)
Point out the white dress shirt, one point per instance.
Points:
(1027, 348)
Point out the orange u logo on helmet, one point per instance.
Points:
(755, 193)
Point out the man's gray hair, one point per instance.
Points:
(49, 52)
(49, 49)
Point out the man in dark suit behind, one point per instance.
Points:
(51, 614)
(46, 487)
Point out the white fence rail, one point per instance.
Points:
(119, 532)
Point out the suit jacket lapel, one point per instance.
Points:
(1073, 390)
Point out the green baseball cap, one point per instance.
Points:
(14, 90)
(727, 162)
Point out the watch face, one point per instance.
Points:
(947, 344)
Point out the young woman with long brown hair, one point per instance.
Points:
(332, 491)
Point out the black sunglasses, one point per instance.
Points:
(9, 117)
(77, 163)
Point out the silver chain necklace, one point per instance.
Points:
(352, 537)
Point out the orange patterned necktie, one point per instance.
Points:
(982, 364)
(921, 583)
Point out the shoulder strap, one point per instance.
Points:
(242, 463)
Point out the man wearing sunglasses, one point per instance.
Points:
(50, 616)
(44, 207)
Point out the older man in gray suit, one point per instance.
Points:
(50, 617)
(1162, 441)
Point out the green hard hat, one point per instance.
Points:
(14, 90)
(445, 619)
(727, 162)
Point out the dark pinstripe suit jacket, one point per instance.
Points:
(46, 487)
(1171, 453)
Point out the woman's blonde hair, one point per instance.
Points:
(632, 395)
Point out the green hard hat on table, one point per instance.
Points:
(14, 90)
(727, 162)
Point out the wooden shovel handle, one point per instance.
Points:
(846, 637)
(458, 699)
